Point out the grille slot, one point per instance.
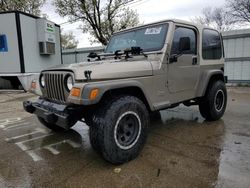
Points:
(54, 87)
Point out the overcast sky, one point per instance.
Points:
(148, 10)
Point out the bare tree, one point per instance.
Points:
(206, 17)
(217, 18)
(28, 6)
(100, 18)
(240, 10)
(68, 41)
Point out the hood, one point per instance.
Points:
(103, 70)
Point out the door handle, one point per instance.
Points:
(194, 60)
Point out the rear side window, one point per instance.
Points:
(211, 45)
(3, 43)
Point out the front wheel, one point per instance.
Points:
(213, 104)
(120, 127)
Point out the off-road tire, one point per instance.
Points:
(209, 108)
(93, 131)
(109, 120)
(93, 137)
(50, 126)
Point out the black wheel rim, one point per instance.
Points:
(219, 100)
(127, 130)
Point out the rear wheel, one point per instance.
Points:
(119, 129)
(213, 104)
(51, 126)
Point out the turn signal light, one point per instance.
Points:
(76, 92)
(93, 94)
(33, 85)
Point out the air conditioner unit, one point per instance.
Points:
(46, 36)
(46, 48)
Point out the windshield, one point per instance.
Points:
(150, 38)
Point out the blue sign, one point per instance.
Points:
(3, 43)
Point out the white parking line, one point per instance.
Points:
(52, 150)
(34, 156)
(37, 130)
(18, 123)
(57, 143)
(73, 144)
(24, 147)
(10, 121)
(17, 126)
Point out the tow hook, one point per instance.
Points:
(27, 105)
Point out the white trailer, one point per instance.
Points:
(28, 44)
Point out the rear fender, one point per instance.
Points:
(205, 78)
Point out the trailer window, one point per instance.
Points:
(211, 44)
(3, 43)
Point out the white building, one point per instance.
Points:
(28, 44)
(237, 55)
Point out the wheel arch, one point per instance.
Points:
(207, 78)
(129, 90)
(108, 89)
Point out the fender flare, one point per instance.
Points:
(205, 79)
(111, 85)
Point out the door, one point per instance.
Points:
(183, 67)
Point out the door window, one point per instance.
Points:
(183, 32)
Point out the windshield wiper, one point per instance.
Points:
(134, 50)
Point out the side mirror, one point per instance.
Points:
(93, 55)
(184, 44)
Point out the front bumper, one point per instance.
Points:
(51, 112)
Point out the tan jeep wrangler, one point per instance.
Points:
(143, 70)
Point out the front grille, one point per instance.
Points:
(54, 86)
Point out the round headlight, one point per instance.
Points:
(42, 81)
(69, 82)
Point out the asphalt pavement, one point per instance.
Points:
(182, 150)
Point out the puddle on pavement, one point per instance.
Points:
(234, 169)
(180, 151)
